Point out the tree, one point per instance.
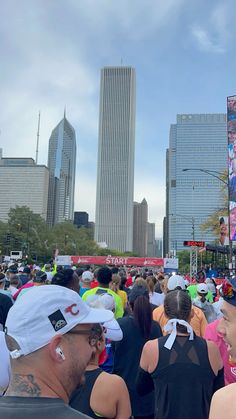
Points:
(70, 240)
(184, 261)
(28, 231)
(212, 222)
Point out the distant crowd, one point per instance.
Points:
(114, 342)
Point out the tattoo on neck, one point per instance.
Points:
(24, 386)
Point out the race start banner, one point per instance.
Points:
(117, 261)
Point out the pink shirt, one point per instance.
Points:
(213, 335)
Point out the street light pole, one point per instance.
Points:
(193, 250)
(213, 173)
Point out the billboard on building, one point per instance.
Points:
(231, 128)
(224, 231)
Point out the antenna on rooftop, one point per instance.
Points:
(37, 146)
(64, 112)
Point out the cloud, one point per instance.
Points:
(204, 40)
(212, 36)
(136, 19)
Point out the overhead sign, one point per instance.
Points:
(63, 260)
(171, 263)
(194, 243)
(117, 260)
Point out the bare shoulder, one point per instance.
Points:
(110, 397)
(110, 381)
(224, 403)
(212, 346)
(214, 350)
(214, 356)
(150, 348)
(150, 355)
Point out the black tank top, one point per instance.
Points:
(183, 379)
(80, 399)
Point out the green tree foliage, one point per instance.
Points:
(29, 232)
(184, 261)
(72, 241)
(212, 222)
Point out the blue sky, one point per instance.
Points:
(51, 55)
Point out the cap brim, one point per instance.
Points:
(97, 315)
(113, 330)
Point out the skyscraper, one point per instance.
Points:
(61, 164)
(197, 141)
(151, 242)
(23, 183)
(115, 173)
(140, 232)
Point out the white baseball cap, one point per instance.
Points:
(105, 300)
(176, 281)
(112, 330)
(87, 276)
(202, 288)
(46, 311)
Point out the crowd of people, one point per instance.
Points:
(115, 343)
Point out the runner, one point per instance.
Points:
(201, 302)
(154, 297)
(5, 367)
(104, 277)
(184, 369)
(213, 334)
(5, 305)
(224, 401)
(51, 338)
(67, 278)
(198, 321)
(87, 278)
(115, 286)
(102, 395)
(137, 329)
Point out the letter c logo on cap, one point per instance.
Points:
(71, 310)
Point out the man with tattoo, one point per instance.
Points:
(51, 336)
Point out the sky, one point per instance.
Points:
(52, 52)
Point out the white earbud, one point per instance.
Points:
(60, 353)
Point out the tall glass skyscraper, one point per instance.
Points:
(197, 141)
(61, 164)
(115, 173)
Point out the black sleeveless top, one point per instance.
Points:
(80, 399)
(183, 379)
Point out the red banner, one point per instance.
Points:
(117, 260)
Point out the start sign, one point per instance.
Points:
(194, 243)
